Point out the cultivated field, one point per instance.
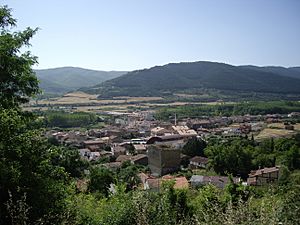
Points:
(277, 132)
(80, 101)
(83, 98)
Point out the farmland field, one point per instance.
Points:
(83, 102)
(275, 133)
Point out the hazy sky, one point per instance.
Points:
(135, 34)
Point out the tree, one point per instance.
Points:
(100, 180)
(32, 187)
(70, 160)
(27, 169)
(292, 158)
(17, 79)
(128, 174)
(234, 157)
(194, 147)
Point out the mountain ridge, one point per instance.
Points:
(65, 79)
(199, 75)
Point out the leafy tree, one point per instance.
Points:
(234, 157)
(17, 80)
(100, 180)
(128, 175)
(66, 120)
(29, 180)
(291, 158)
(194, 147)
(70, 160)
(207, 202)
(235, 192)
(27, 168)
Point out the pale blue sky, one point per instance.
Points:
(135, 34)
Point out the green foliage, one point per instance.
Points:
(240, 156)
(207, 201)
(194, 147)
(264, 154)
(27, 168)
(291, 158)
(128, 175)
(100, 180)
(242, 108)
(116, 210)
(67, 120)
(70, 160)
(234, 157)
(235, 192)
(291, 206)
(17, 80)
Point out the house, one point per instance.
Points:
(84, 153)
(158, 131)
(163, 159)
(140, 149)
(294, 114)
(140, 159)
(245, 128)
(105, 154)
(123, 158)
(94, 145)
(113, 131)
(196, 124)
(121, 121)
(218, 181)
(118, 150)
(198, 162)
(184, 131)
(179, 182)
(154, 184)
(263, 176)
(94, 156)
(115, 139)
(175, 140)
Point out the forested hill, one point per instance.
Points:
(64, 79)
(288, 72)
(197, 75)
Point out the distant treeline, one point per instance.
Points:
(230, 109)
(67, 120)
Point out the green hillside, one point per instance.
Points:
(288, 72)
(60, 80)
(174, 77)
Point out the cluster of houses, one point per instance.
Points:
(140, 139)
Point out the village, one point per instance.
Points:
(140, 139)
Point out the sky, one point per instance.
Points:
(136, 34)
